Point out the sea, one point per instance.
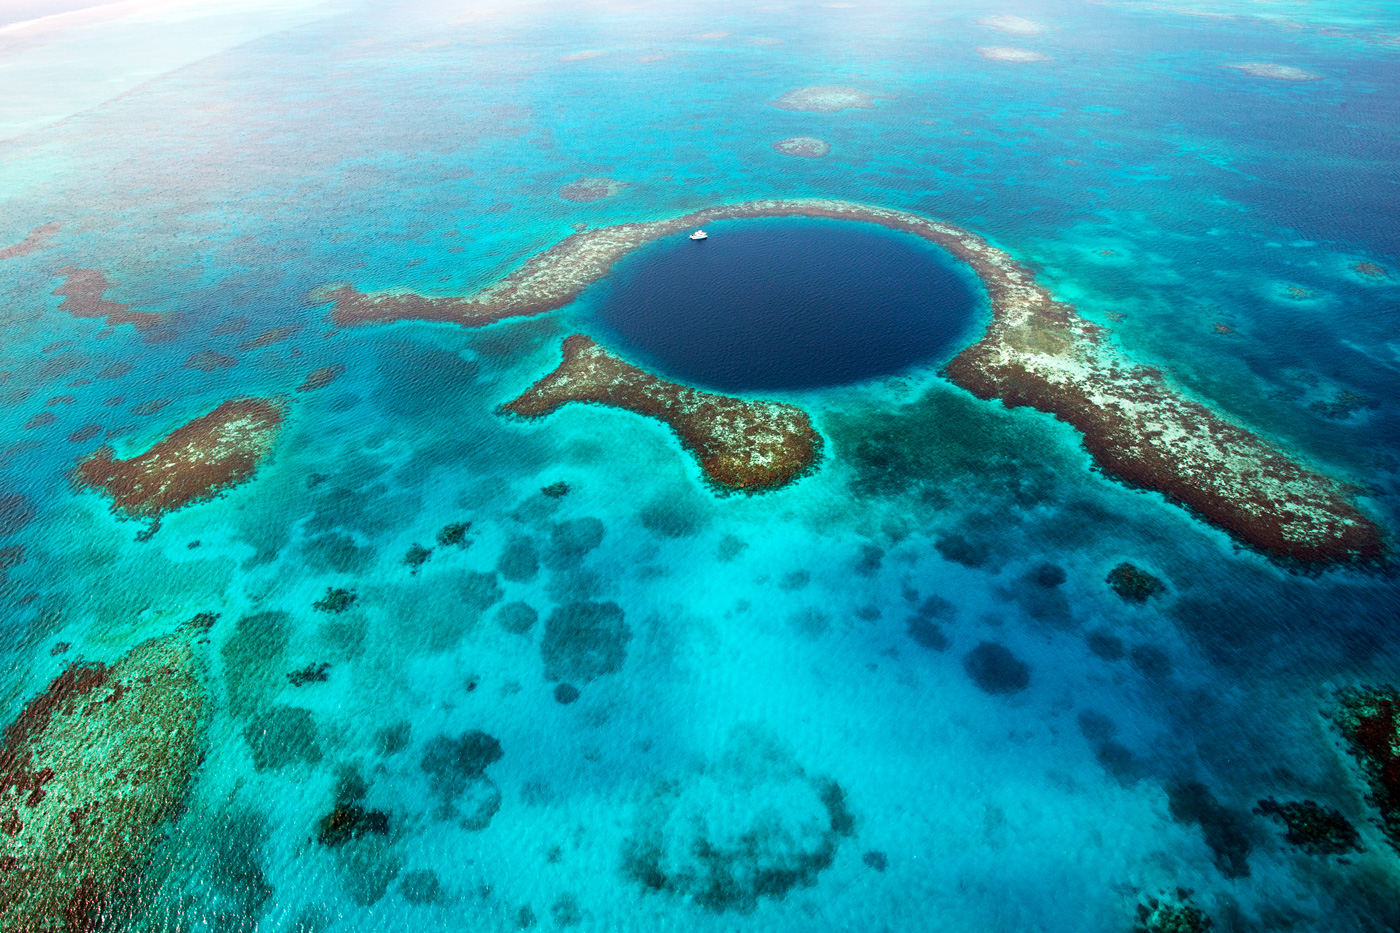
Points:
(895, 695)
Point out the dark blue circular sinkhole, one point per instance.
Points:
(777, 304)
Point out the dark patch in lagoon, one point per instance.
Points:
(1226, 830)
(583, 641)
(996, 670)
(783, 304)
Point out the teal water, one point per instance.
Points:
(750, 654)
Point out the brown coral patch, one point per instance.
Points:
(89, 772)
(36, 238)
(83, 292)
(322, 377)
(1369, 720)
(208, 361)
(193, 463)
(42, 420)
(270, 336)
(86, 433)
(1370, 270)
(1036, 352)
(592, 189)
(741, 445)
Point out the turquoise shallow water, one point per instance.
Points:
(752, 653)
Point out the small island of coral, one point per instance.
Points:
(807, 147)
(193, 463)
(741, 445)
(825, 98)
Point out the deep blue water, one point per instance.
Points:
(777, 304)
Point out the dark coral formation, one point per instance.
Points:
(995, 670)
(1037, 352)
(806, 147)
(83, 293)
(1313, 828)
(753, 825)
(1133, 583)
(584, 641)
(321, 377)
(335, 600)
(1369, 720)
(34, 240)
(90, 771)
(1169, 914)
(741, 445)
(454, 533)
(416, 557)
(1370, 270)
(349, 821)
(556, 490)
(194, 463)
(312, 673)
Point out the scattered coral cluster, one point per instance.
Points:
(742, 445)
(1369, 720)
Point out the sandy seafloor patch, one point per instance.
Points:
(770, 646)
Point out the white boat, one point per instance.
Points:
(699, 235)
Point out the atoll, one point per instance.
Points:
(194, 463)
(34, 240)
(83, 293)
(825, 98)
(592, 189)
(1276, 72)
(1313, 828)
(807, 147)
(1005, 53)
(1036, 352)
(1369, 721)
(1133, 583)
(90, 771)
(741, 445)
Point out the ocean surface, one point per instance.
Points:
(897, 695)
